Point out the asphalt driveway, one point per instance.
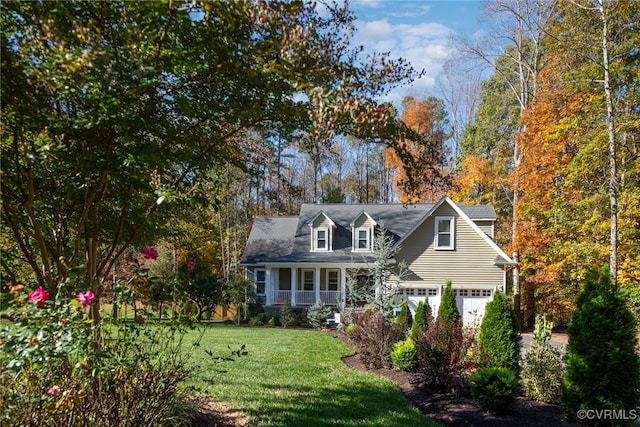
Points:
(558, 339)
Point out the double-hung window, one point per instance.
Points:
(260, 280)
(308, 280)
(363, 241)
(444, 232)
(333, 278)
(321, 241)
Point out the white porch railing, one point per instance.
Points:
(331, 297)
(305, 297)
(278, 297)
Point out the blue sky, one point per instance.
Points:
(418, 31)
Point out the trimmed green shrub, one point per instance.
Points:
(318, 314)
(404, 355)
(421, 320)
(543, 368)
(603, 368)
(405, 315)
(495, 389)
(500, 338)
(448, 310)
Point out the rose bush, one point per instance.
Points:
(58, 367)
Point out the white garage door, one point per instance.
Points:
(471, 303)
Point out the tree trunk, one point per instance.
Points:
(613, 198)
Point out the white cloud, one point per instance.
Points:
(424, 44)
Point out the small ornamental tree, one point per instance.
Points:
(500, 338)
(543, 368)
(603, 368)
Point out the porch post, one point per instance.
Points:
(343, 286)
(294, 285)
(316, 285)
(267, 285)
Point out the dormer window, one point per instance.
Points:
(362, 233)
(321, 233)
(444, 233)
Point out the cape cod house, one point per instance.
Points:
(307, 257)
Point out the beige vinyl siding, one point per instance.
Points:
(322, 221)
(470, 264)
(362, 221)
(486, 226)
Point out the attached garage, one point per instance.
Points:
(471, 303)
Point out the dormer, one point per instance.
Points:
(362, 232)
(321, 233)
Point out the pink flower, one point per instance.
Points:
(38, 296)
(191, 265)
(53, 390)
(380, 109)
(149, 252)
(140, 319)
(86, 298)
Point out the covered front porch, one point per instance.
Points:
(303, 286)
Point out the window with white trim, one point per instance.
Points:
(308, 279)
(260, 280)
(444, 232)
(363, 242)
(333, 280)
(321, 239)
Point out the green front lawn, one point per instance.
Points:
(295, 377)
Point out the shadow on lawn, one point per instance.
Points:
(356, 404)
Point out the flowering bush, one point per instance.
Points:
(149, 252)
(58, 367)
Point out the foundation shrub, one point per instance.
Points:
(404, 355)
(318, 314)
(495, 389)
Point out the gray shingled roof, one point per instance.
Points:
(287, 239)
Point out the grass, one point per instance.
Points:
(292, 377)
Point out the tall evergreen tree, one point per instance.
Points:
(603, 367)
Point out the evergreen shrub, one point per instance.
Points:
(603, 368)
(421, 320)
(500, 338)
(318, 314)
(495, 389)
(404, 355)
